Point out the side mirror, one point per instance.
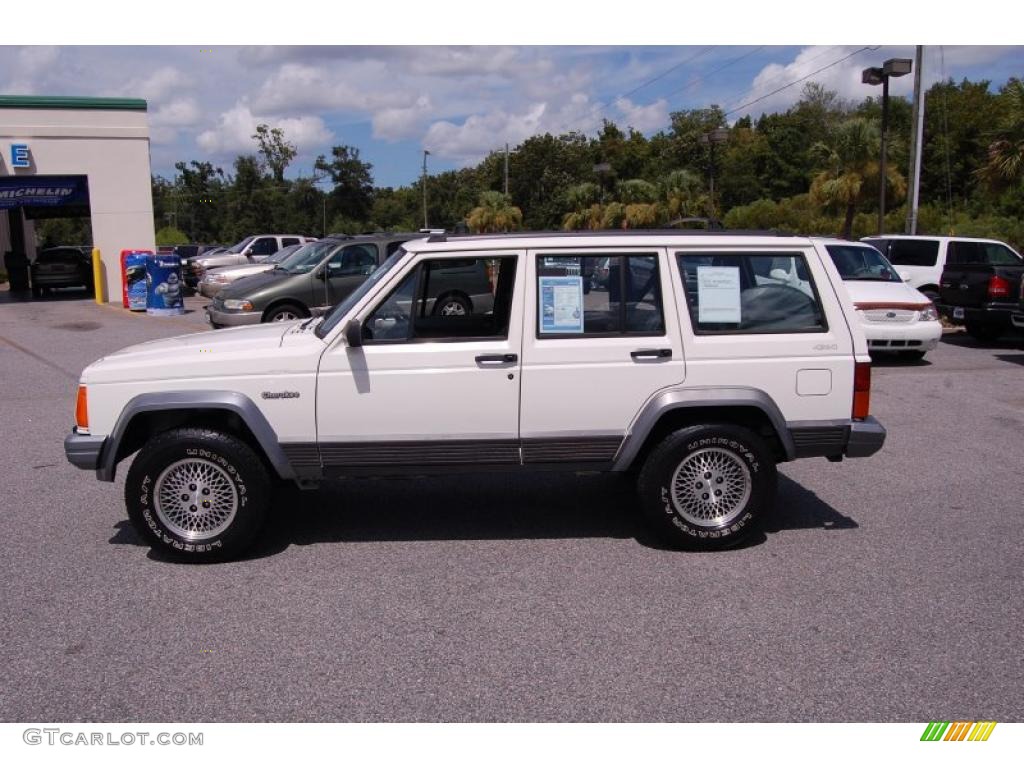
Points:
(354, 333)
(904, 276)
(779, 274)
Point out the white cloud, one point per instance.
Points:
(236, 127)
(159, 85)
(399, 123)
(360, 86)
(478, 134)
(179, 113)
(644, 118)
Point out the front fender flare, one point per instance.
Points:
(221, 400)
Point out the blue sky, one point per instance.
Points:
(457, 101)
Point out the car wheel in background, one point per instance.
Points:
(984, 331)
(284, 313)
(452, 304)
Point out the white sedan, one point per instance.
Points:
(895, 317)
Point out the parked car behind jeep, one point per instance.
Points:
(65, 266)
(310, 281)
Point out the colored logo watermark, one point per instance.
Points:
(959, 731)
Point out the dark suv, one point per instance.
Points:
(65, 266)
(310, 281)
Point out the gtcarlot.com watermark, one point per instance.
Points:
(59, 736)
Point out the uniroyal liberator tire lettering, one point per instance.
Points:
(239, 462)
(656, 478)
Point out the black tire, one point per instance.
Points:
(749, 474)
(235, 472)
(912, 355)
(37, 292)
(285, 313)
(932, 293)
(984, 331)
(452, 301)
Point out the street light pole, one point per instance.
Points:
(711, 138)
(425, 153)
(880, 76)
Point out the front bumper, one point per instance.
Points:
(220, 317)
(209, 290)
(84, 451)
(922, 336)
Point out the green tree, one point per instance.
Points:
(352, 195)
(277, 152)
(1004, 166)
(495, 213)
(170, 236)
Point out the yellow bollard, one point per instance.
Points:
(97, 276)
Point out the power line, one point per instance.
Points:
(725, 66)
(805, 77)
(667, 72)
(778, 78)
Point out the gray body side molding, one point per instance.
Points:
(700, 397)
(219, 400)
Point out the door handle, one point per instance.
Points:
(650, 354)
(496, 359)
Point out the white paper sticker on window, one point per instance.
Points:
(718, 294)
(561, 301)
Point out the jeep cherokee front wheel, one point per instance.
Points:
(197, 494)
(708, 486)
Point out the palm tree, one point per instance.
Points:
(683, 194)
(587, 212)
(1005, 164)
(495, 213)
(849, 168)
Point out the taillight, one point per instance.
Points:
(861, 390)
(998, 287)
(82, 410)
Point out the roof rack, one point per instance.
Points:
(618, 232)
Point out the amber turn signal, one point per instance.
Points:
(82, 410)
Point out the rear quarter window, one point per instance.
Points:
(741, 293)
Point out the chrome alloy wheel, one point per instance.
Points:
(453, 307)
(711, 487)
(195, 499)
(285, 316)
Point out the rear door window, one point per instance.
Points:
(914, 253)
(599, 295)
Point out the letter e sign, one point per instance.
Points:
(19, 156)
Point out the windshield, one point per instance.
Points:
(277, 258)
(307, 257)
(239, 246)
(341, 309)
(856, 262)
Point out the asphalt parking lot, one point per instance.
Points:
(887, 588)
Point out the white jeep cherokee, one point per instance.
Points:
(685, 366)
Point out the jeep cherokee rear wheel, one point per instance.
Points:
(197, 494)
(708, 485)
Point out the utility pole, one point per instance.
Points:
(506, 169)
(916, 144)
(425, 153)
